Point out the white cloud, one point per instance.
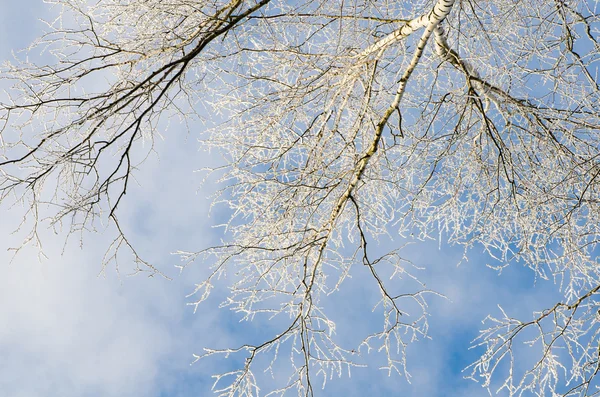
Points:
(69, 333)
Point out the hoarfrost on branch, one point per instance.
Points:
(339, 122)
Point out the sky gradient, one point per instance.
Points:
(69, 329)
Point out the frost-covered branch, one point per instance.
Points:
(339, 124)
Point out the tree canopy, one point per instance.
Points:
(339, 123)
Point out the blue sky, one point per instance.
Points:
(66, 331)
